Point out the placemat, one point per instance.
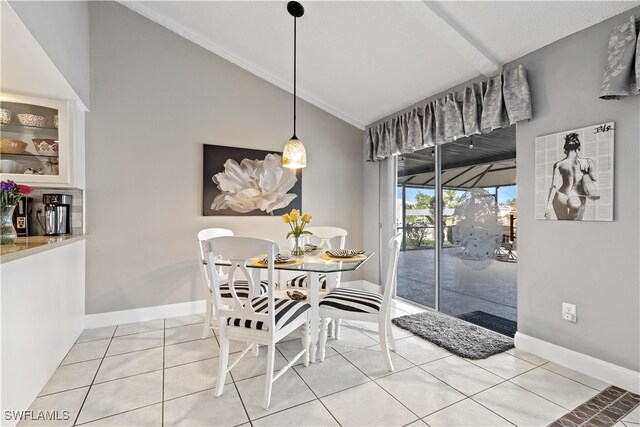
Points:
(256, 262)
(352, 259)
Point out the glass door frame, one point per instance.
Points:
(438, 228)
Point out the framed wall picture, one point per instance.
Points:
(574, 174)
(246, 182)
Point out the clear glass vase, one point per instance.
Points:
(8, 234)
(297, 245)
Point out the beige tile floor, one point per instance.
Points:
(161, 373)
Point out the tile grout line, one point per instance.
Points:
(119, 413)
(373, 380)
(235, 385)
(354, 328)
(549, 400)
(233, 380)
(294, 406)
(579, 382)
(94, 378)
(468, 396)
(438, 379)
(310, 389)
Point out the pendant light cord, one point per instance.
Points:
(294, 75)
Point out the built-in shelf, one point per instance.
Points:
(34, 166)
(29, 130)
(53, 155)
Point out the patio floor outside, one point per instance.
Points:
(493, 290)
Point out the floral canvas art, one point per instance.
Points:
(243, 182)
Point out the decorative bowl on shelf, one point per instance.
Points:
(12, 146)
(45, 145)
(5, 116)
(31, 120)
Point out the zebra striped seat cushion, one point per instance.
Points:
(355, 300)
(242, 288)
(300, 282)
(286, 312)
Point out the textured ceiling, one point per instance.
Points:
(362, 61)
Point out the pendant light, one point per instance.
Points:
(294, 155)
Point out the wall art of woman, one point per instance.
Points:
(573, 182)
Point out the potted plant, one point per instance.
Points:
(10, 195)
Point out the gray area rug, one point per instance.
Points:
(459, 337)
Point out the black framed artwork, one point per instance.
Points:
(246, 182)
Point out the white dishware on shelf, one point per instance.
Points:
(31, 120)
(5, 116)
(7, 166)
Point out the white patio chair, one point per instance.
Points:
(243, 288)
(358, 304)
(261, 320)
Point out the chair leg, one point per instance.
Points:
(324, 323)
(384, 334)
(207, 321)
(269, 377)
(223, 364)
(256, 349)
(390, 337)
(306, 341)
(336, 334)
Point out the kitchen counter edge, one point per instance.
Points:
(35, 244)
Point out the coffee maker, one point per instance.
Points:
(57, 214)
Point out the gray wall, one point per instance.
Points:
(156, 98)
(62, 29)
(591, 264)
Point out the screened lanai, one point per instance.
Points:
(482, 165)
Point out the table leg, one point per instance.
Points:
(255, 275)
(314, 301)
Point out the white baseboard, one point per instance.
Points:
(604, 371)
(142, 314)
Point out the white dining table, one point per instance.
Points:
(313, 265)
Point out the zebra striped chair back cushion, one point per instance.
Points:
(263, 312)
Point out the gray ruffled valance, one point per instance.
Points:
(481, 107)
(622, 71)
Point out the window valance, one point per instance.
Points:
(622, 70)
(500, 101)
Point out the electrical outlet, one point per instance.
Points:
(569, 312)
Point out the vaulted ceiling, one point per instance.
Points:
(361, 60)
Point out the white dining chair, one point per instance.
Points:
(243, 288)
(322, 236)
(358, 304)
(261, 320)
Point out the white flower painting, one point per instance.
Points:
(248, 182)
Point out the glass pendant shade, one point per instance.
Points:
(294, 155)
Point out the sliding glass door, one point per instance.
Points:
(462, 262)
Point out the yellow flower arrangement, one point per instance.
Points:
(297, 222)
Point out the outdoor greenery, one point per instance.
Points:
(418, 227)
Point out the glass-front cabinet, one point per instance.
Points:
(35, 140)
